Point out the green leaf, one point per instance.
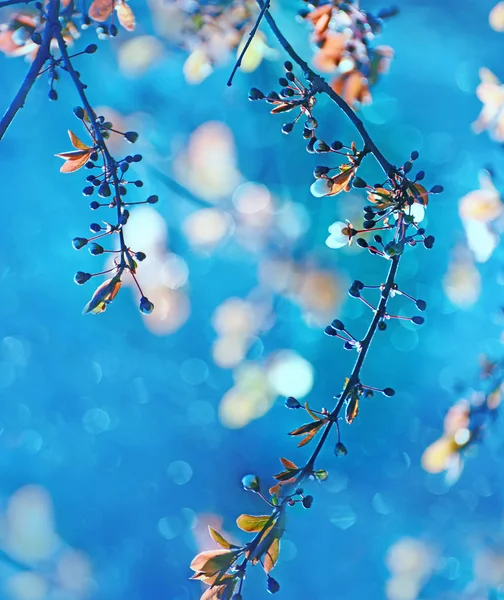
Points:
(311, 413)
(221, 540)
(251, 523)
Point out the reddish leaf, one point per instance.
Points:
(308, 427)
(100, 10)
(286, 475)
(308, 438)
(76, 142)
(125, 15)
(281, 108)
(288, 464)
(271, 555)
(342, 181)
(74, 160)
(352, 409)
(419, 193)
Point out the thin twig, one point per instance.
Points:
(12, 2)
(35, 68)
(324, 87)
(321, 86)
(251, 36)
(111, 163)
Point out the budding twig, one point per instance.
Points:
(39, 61)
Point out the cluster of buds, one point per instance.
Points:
(337, 329)
(343, 35)
(293, 96)
(396, 206)
(109, 180)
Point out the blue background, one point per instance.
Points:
(111, 490)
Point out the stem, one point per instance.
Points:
(354, 377)
(42, 56)
(324, 87)
(110, 162)
(238, 63)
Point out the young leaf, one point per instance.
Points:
(251, 523)
(342, 181)
(280, 108)
(221, 540)
(100, 10)
(103, 295)
(311, 413)
(286, 475)
(419, 193)
(125, 15)
(76, 142)
(271, 555)
(74, 160)
(288, 464)
(352, 409)
(308, 438)
(212, 561)
(307, 428)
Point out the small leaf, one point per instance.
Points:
(103, 295)
(418, 193)
(74, 160)
(311, 413)
(251, 523)
(286, 475)
(100, 10)
(125, 15)
(76, 142)
(288, 464)
(308, 438)
(271, 555)
(220, 539)
(352, 409)
(307, 428)
(212, 561)
(341, 181)
(280, 108)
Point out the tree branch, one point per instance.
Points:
(238, 63)
(40, 59)
(325, 88)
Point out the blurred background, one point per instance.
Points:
(123, 436)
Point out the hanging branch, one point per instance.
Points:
(41, 58)
(50, 33)
(395, 208)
